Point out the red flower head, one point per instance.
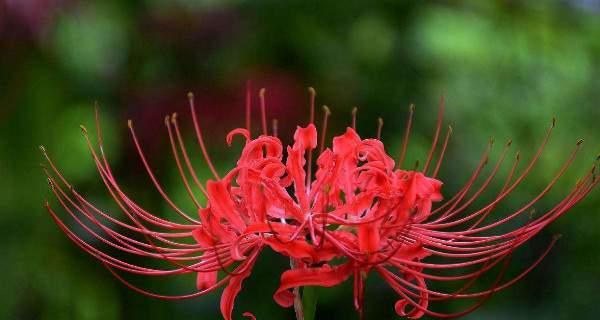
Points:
(360, 214)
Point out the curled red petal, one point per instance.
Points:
(249, 315)
(222, 205)
(323, 277)
(237, 131)
(305, 138)
(233, 288)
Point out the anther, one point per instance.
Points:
(579, 142)
(557, 236)
(509, 142)
(83, 129)
(531, 214)
(379, 127)
(553, 122)
(190, 95)
(130, 123)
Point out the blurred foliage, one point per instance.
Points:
(505, 67)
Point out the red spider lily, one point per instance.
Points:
(360, 213)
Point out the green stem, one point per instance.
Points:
(297, 298)
(309, 301)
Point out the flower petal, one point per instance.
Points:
(323, 277)
(233, 288)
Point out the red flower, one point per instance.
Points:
(360, 214)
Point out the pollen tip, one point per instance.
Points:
(509, 142)
(518, 155)
(492, 140)
(190, 95)
(50, 183)
(531, 214)
(167, 119)
(262, 92)
(83, 129)
(326, 110)
(43, 149)
(580, 141)
(354, 111)
(380, 121)
(450, 129)
(130, 123)
(557, 236)
(553, 122)
(411, 107)
(312, 91)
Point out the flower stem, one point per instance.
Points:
(297, 297)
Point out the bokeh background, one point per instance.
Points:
(505, 67)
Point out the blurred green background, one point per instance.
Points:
(506, 67)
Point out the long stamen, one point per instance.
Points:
(437, 134)
(443, 152)
(186, 158)
(199, 136)
(153, 178)
(354, 113)
(312, 94)
(411, 112)
(178, 162)
(275, 126)
(263, 110)
(326, 114)
(379, 127)
(248, 106)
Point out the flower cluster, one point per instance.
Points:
(360, 214)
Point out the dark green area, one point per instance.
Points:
(505, 67)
